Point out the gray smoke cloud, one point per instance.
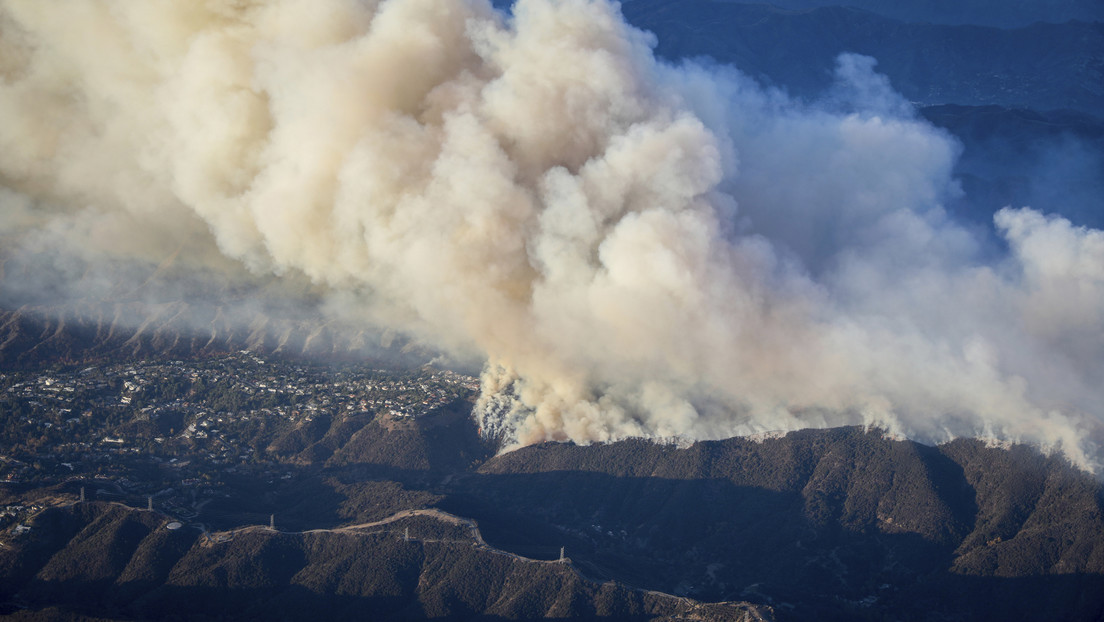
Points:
(634, 248)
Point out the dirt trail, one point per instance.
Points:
(430, 512)
(477, 536)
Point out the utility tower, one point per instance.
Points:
(562, 558)
(272, 521)
(149, 503)
(406, 535)
(82, 494)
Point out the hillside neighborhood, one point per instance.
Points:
(174, 431)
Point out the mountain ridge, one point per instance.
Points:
(262, 572)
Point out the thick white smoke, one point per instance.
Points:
(636, 249)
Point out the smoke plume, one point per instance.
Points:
(634, 248)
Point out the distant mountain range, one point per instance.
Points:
(996, 13)
(1041, 66)
(1053, 161)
